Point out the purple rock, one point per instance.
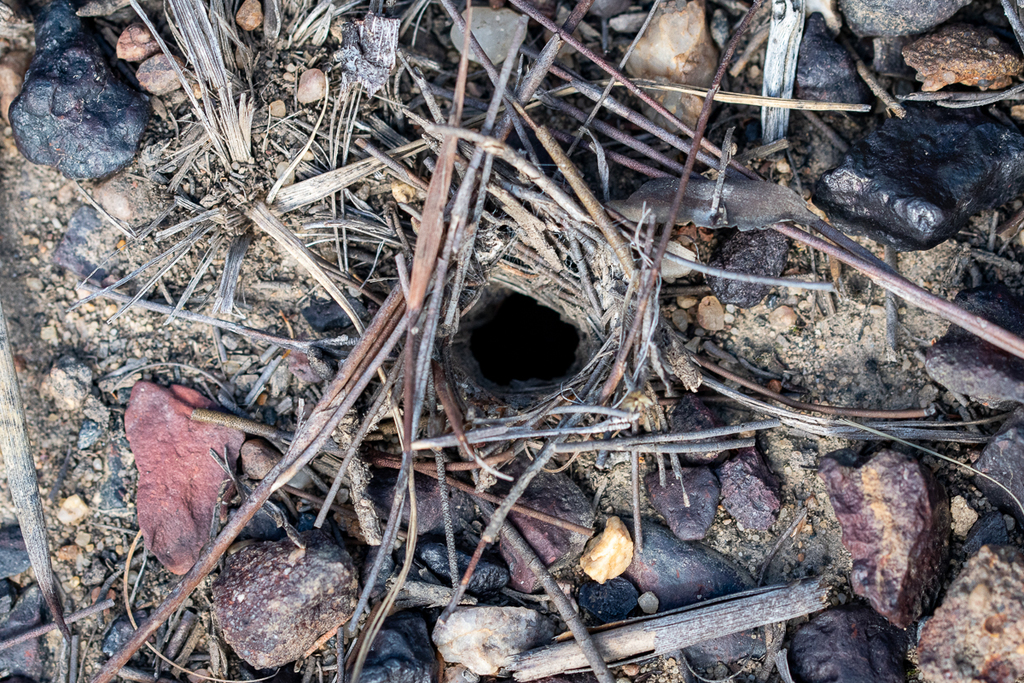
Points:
(895, 519)
(73, 113)
(963, 363)
(682, 573)
(915, 181)
(750, 492)
(688, 522)
(825, 71)
(756, 252)
(488, 576)
(273, 600)
(990, 529)
(401, 653)
(1003, 460)
(610, 601)
(429, 514)
(691, 415)
(25, 658)
(851, 644)
(556, 495)
(85, 245)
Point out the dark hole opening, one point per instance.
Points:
(524, 341)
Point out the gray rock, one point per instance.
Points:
(1003, 460)
(25, 658)
(429, 515)
(13, 556)
(610, 601)
(750, 492)
(914, 182)
(688, 522)
(691, 415)
(484, 638)
(756, 252)
(120, 632)
(990, 529)
(488, 576)
(69, 382)
(850, 644)
(401, 653)
(897, 17)
(88, 434)
(86, 245)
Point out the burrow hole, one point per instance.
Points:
(524, 341)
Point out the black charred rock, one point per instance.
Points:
(488, 576)
(401, 653)
(990, 529)
(914, 182)
(73, 114)
(825, 71)
(963, 363)
(610, 601)
(750, 491)
(25, 658)
(120, 632)
(688, 506)
(325, 314)
(754, 252)
(897, 17)
(1003, 460)
(851, 644)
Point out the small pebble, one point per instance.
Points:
(88, 435)
(782, 317)
(825, 71)
(688, 506)
(710, 314)
(73, 510)
(14, 557)
(848, 645)
(897, 17)
(608, 554)
(136, 43)
(964, 516)
(484, 638)
(157, 76)
(648, 602)
(258, 457)
(755, 252)
(988, 530)
(750, 491)
(611, 601)
(69, 383)
(312, 86)
(250, 15)
(278, 109)
(401, 653)
(488, 577)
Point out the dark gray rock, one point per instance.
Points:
(825, 71)
(610, 601)
(325, 314)
(964, 363)
(401, 653)
(272, 602)
(13, 556)
(387, 569)
(897, 17)
(25, 658)
(682, 573)
(888, 56)
(850, 644)
(88, 434)
(990, 529)
(895, 519)
(429, 515)
(85, 245)
(750, 492)
(756, 252)
(112, 491)
(688, 522)
(73, 113)
(120, 632)
(488, 576)
(691, 415)
(1003, 460)
(6, 598)
(914, 182)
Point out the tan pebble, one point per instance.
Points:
(783, 316)
(68, 553)
(280, 170)
(403, 192)
(277, 109)
(687, 301)
(157, 76)
(1017, 112)
(312, 85)
(73, 510)
(710, 314)
(12, 74)
(136, 44)
(250, 15)
(631, 670)
(608, 554)
(963, 514)
(258, 458)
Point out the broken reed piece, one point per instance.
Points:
(665, 633)
(21, 478)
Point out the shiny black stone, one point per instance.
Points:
(610, 601)
(825, 71)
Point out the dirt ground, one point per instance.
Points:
(835, 358)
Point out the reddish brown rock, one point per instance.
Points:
(273, 600)
(688, 515)
(895, 519)
(250, 15)
(557, 495)
(136, 43)
(750, 492)
(178, 480)
(691, 415)
(961, 53)
(157, 76)
(977, 634)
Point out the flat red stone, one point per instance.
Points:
(178, 478)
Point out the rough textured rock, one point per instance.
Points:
(1003, 460)
(136, 43)
(750, 492)
(157, 76)
(558, 495)
(850, 644)
(691, 415)
(429, 517)
(978, 631)
(250, 15)
(825, 71)
(677, 48)
(897, 17)
(757, 252)
(914, 182)
(73, 113)
(325, 314)
(964, 363)
(609, 553)
(895, 520)
(990, 529)
(273, 600)
(401, 653)
(688, 515)
(25, 658)
(961, 53)
(85, 245)
(120, 632)
(131, 198)
(681, 573)
(483, 638)
(178, 480)
(69, 383)
(488, 577)
(13, 556)
(610, 601)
